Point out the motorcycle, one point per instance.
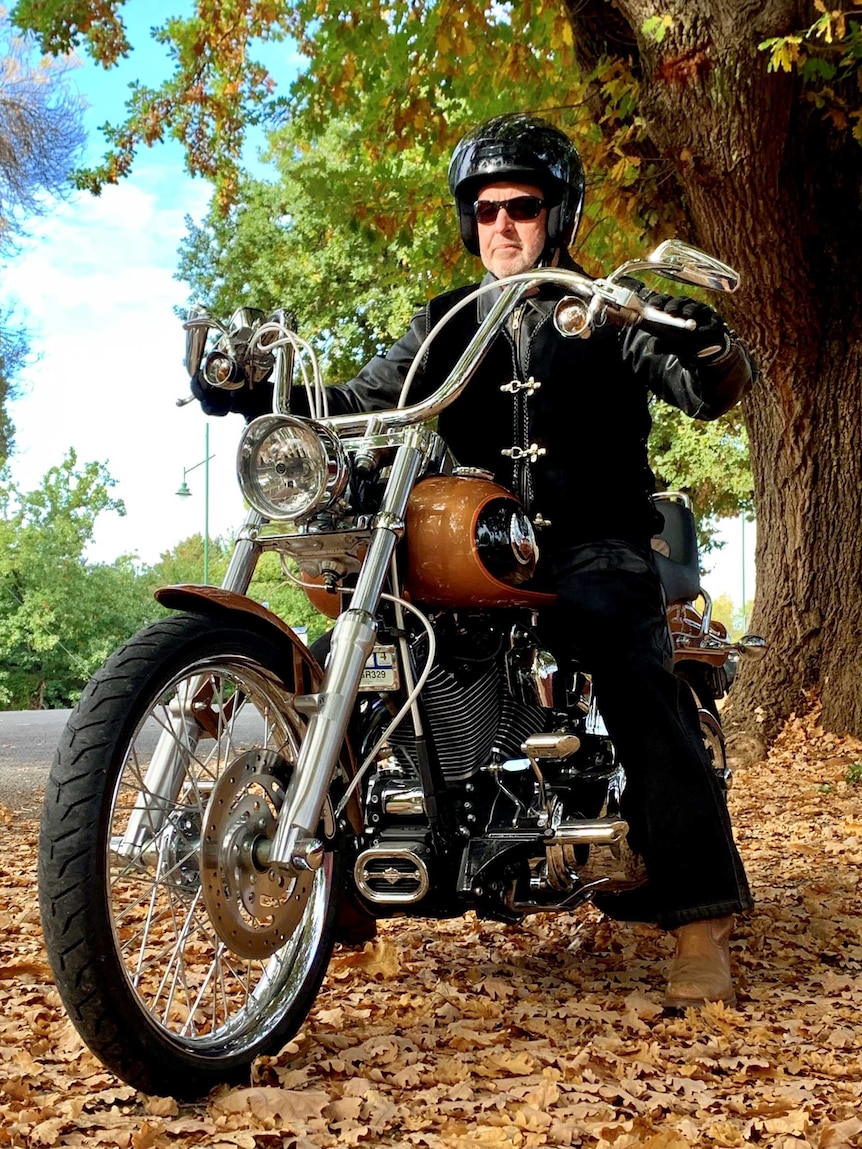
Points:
(225, 804)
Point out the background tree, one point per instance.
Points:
(41, 136)
(60, 617)
(13, 353)
(729, 123)
(285, 598)
(769, 172)
(184, 564)
(313, 239)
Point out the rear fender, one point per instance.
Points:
(686, 628)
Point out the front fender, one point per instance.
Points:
(212, 600)
(307, 672)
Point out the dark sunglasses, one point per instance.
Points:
(521, 208)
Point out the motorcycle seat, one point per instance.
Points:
(675, 551)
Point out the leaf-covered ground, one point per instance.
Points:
(465, 1033)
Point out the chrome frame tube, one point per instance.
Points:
(404, 651)
(284, 359)
(706, 620)
(163, 777)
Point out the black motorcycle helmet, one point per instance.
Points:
(527, 149)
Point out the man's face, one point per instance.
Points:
(507, 246)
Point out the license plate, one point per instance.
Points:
(381, 670)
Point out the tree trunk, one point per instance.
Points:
(770, 185)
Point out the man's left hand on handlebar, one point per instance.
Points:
(247, 401)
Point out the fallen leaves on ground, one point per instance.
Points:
(463, 1033)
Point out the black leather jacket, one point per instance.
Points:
(586, 413)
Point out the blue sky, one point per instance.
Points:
(95, 286)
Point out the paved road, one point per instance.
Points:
(28, 739)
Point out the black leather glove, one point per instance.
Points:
(247, 401)
(213, 400)
(707, 344)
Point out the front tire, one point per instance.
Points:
(177, 955)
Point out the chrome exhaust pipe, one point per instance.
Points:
(589, 832)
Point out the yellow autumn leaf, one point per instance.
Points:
(795, 1122)
(488, 1071)
(517, 1063)
(666, 1139)
(269, 1104)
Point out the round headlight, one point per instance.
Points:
(290, 467)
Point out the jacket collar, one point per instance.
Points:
(547, 290)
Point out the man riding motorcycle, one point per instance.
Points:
(541, 413)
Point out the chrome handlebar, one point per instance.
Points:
(591, 303)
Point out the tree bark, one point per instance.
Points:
(769, 184)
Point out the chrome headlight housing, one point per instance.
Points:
(290, 467)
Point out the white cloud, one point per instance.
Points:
(96, 288)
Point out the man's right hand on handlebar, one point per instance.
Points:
(707, 344)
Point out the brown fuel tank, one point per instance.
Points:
(469, 544)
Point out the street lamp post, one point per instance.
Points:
(184, 492)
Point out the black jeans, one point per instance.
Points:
(611, 617)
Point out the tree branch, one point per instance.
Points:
(600, 32)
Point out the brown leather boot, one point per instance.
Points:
(700, 970)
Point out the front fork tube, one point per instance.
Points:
(294, 846)
(164, 777)
(167, 769)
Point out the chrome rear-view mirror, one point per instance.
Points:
(686, 264)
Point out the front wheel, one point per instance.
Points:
(178, 954)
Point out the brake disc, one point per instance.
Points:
(253, 909)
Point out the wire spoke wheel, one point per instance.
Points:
(214, 956)
(712, 735)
